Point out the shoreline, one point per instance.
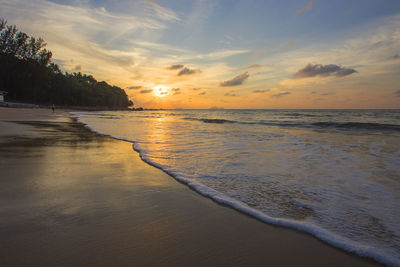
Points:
(122, 208)
(321, 234)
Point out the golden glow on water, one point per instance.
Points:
(121, 167)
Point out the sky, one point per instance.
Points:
(226, 54)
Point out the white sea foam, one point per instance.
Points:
(342, 188)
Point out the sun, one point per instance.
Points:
(161, 91)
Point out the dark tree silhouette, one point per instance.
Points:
(28, 75)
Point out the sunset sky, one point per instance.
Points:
(226, 54)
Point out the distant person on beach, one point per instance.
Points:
(53, 107)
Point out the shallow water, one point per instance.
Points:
(332, 173)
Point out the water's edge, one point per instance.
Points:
(318, 232)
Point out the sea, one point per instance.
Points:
(334, 174)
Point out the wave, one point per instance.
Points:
(219, 121)
(98, 115)
(319, 232)
(303, 115)
(358, 125)
(310, 228)
(320, 124)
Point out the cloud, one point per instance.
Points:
(134, 87)
(202, 93)
(196, 89)
(163, 13)
(99, 37)
(78, 68)
(175, 67)
(304, 8)
(176, 91)
(261, 91)
(146, 91)
(323, 70)
(230, 94)
(255, 66)
(187, 71)
(216, 55)
(159, 46)
(396, 56)
(188, 56)
(161, 91)
(397, 93)
(281, 94)
(238, 80)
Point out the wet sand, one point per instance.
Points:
(69, 197)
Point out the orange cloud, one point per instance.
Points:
(238, 80)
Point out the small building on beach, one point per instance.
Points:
(2, 95)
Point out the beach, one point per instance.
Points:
(70, 197)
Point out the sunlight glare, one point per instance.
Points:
(161, 91)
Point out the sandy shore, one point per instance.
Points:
(69, 197)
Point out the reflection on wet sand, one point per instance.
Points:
(71, 197)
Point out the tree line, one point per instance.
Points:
(28, 75)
